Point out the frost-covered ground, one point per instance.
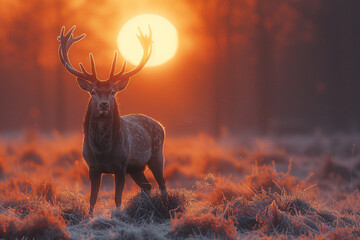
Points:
(246, 187)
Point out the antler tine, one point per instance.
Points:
(93, 70)
(61, 57)
(70, 31)
(123, 67)
(65, 43)
(141, 36)
(90, 77)
(84, 70)
(149, 55)
(113, 65)
(146, 44)
(112, 71)
(61, 33)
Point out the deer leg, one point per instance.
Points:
(156, 165)
(95, 180)
(119, 186)
(140, 179)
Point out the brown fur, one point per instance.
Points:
(120, 145)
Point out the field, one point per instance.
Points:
(249, 187)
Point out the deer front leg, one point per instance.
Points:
(95, 180)
(119, 186)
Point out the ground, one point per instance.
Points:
(302, 186)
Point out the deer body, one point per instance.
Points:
(113, 144)
(134, 141)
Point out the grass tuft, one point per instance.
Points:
(32, 157)
(68, 158)
(39, 225)
(206, 225)
(47, 191)
(156, 207)
(72, 205)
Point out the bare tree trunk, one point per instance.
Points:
(217, 76)
(264, 70)
(60, 86)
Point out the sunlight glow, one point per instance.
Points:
(164, 35)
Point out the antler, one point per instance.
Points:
(65, 43)
(146, 43)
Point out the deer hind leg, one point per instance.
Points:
(95, 180)
(156, 166)
(140, 179)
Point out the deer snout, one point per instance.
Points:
(104, 106)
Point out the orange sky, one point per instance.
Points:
(102, 23)
(230, 55)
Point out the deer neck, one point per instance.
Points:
(101, 132)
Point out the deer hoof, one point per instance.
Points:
(164, 192)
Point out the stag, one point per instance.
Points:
(113, 144)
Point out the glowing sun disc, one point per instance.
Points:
(164, 36)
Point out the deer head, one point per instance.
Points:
(102, 91)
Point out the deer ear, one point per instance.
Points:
(121, 85)
(84, 85)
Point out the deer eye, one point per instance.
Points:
(113, 93)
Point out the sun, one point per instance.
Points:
(164, 36)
